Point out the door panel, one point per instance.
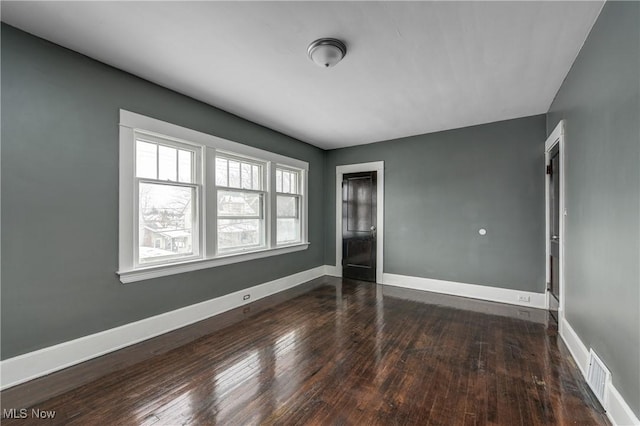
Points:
(554, 229)
(358, 252)
(359, 226)
(359, 211)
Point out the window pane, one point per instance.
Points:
(286, 187)
(185, 164)
(233, 203)
(278, 180)
(239, 233)
(257, 177)
(221, 172)
(246, 176)
(234, 174)
(167, 163)
(287, 181)
(166, 222)
(288, 230)
(146, 161)
(287, 206)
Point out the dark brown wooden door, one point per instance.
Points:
(359, 226)
(553, 169)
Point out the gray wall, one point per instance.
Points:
(440, 188)
(600, 101)
(60, 113)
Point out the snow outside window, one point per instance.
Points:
(189, 200)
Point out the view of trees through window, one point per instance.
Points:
(166, 201)
(166, 221)
(240, 222)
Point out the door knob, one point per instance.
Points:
(373, 228)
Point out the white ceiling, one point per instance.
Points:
(411, 67)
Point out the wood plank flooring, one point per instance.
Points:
(342, 352)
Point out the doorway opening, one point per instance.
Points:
(360, 221)
(555, 213)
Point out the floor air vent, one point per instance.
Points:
(597, 377)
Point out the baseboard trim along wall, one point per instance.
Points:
(474, 291)
(617, 408)
(333, 271)
(32, 365)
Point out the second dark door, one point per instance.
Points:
(359, 226)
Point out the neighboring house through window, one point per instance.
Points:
(241, 198)
(168, 190)
(189, 200)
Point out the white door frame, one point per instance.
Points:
(376, 166)
(556, 138)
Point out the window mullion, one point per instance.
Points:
(304, 200)
(177, 165)
(157, 162)
(272, 213)
(239, 217)
(136, 221)
(211, 203)
(233, 189)
(167, 183)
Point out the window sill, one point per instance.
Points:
(150, 272)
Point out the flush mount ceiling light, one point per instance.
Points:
(326, 52)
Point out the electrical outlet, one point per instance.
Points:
(524, 299)
(246, 297)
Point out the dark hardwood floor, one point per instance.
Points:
(331, 352)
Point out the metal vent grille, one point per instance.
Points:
(597, 377)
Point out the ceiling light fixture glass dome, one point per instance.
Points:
(327, 52)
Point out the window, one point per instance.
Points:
(240, 196)
(288, 206)
(190, 201)
(167, 203)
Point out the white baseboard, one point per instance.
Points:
(617, 408)
(29, 366)
(332, 271)
(619, 411)
(474, 291)
(577, 349)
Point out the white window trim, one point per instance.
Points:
(131, 122)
